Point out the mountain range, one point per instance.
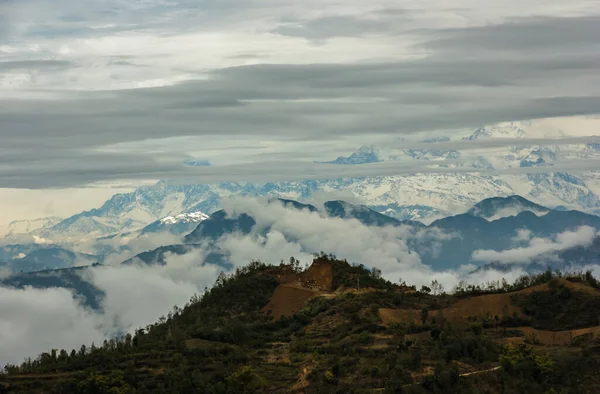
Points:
(423, 197)
(445, 244)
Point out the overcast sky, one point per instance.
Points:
(102, 91)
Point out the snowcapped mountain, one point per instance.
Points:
(192, 217)
(365, 154)
(417, 196)
(26, 226)
(179, 224)
(133, 211)
(501, 130)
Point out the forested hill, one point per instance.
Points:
(334, 327)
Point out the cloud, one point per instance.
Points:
(35, 65)
(33, 320)
(375, 76)
(306, 232)
(136, 296)
(120, 248)
(523, 235)
(533, 35)
(37, 320)
(344, 26)
(547, 248)
(5, 272)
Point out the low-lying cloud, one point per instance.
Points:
(536, 248)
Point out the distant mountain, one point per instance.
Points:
(368, 217)
(364, 155)
(499, 207)
(157, 256)
(566, 260)
(45, 258)
(425, 196)
(502, 130)
(179, 224)
(219, 224)
(26, 226)
(135, 210)
(482, 227)
(449, 245)
(476, 233)
(68, 278)
(197, 163)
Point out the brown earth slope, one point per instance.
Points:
(295, 289)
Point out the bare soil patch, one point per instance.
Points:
(287, 300)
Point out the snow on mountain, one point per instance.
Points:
(192, 217)
(178, 224)
(131, 211)
(415, 196)
(442, 193)
(500, 130)
(26, 226)
(365, 154)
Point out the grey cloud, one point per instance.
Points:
(526, 34)
(98, 167)
(537, 248)
(35, 64)
(491, 143)
(326, 102)
(342, 26)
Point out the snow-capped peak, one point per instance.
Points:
(192, 217)
(500, 130)
(365, 154)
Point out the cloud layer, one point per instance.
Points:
(537, 248)
(78, 81)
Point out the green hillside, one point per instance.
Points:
(335, 327)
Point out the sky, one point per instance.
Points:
(100, 96)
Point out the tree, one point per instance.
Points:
(425, 289)
(436, 287)
(63, 355)
(245, 380)
(221, 279)
(128, 340)
(82, 350)
(376, 273)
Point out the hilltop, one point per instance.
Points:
(336, 327)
